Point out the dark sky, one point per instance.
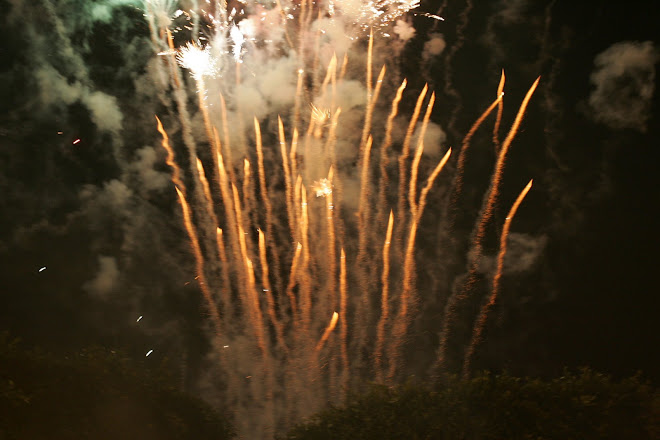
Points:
(580, 284)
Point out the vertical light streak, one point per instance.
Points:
(239, 221)
(328, 330)
(199, 263)
(460, 165)
(225, 133)
(297, 206)
(331, 141)
(331, 252)
(268, 290)
(455, 299)
(248, 190)
(404, 156)
(305, 281)
(293, 274)
(287, 177)
(330, 74)
(407, 296)
(384, 301)
(296, 186)
(298, 99)
(226, 282)
(363, 210)
(412, 191)
(343, 326)
(500, 109)
(207, 193)
(230, 216)
(171, 162)
(364, 309)
(255, 311)
(481, 321)
(384, 160)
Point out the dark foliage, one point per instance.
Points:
(586, 405)
(95, 394)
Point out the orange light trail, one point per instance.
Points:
(384, 302)
(199, 263)
(328, 330)
(480, 323)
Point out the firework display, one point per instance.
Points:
(285, 259)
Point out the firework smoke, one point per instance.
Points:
(272, 283)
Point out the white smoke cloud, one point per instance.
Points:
(104, 111)
(55, 91)
(434, 139)
(106, 279)
(624, 83)
(404, 30)
(114, 195)
(143, 166)
(522, 252)
(434, 46)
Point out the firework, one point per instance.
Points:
(273, 262)
(480, 324)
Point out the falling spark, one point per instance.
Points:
(42, 269)
(328, 330)
(385, 300)
(139, 318)
(149, 352)
(456, 299)
(426, 14)
(77, 141)
(481, 321)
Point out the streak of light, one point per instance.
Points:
(149, 352)
(480, 323)
(426, 14)
(328, 330)
(385, 300)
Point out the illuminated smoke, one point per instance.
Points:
(288, 278)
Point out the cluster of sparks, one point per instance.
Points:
(286, 286)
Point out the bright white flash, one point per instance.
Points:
(199, 61)
(373, 12)
(238, 39)
(322, 188)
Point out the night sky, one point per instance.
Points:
(86, 193)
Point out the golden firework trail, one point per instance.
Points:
(486, 214)
(385, 302)
(328, 330)
(199, 264)
(500, 109)
(482, 319)
(266, 254)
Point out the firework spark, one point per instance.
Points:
(271, 265)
